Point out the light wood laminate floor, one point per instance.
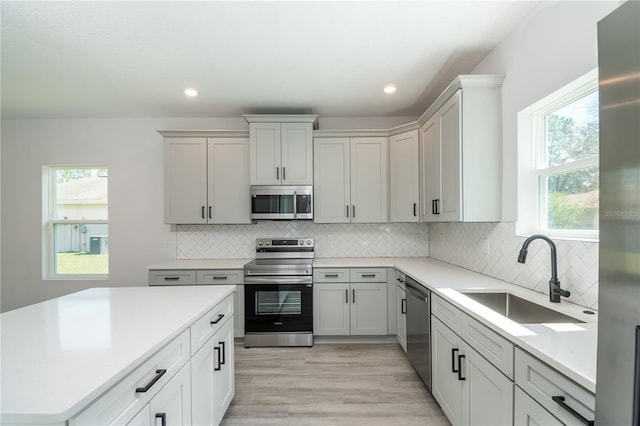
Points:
(330, 384)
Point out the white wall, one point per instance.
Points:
(554, 46)
(132, 149)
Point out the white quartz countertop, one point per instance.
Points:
(201, 264)
(59, 355)
(569, 348)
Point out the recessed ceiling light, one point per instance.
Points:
(191, 92)
(389, 89)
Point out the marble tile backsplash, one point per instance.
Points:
(332, 240)
(465, 245)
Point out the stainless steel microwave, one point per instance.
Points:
(281, 202)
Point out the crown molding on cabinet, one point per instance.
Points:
(279, 118)
(204, 133)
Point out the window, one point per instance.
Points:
(558, 187)
(76, 231)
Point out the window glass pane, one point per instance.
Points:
(81, 248)
(80, 194)
(572, 132)
(573, 199)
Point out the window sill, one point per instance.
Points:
(77, 277)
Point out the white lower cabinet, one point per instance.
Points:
(469, 389)
(171, 406)
(212, 377)
(527, 412)
(343, 309)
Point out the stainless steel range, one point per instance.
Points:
(279, 293)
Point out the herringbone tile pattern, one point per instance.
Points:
(462, 244)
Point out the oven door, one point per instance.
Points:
(274, 308)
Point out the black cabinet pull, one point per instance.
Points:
(284, 173)
(460, 358)
(216, 349)
(224, 353)
(162, 417)
(346, 295)
(353, 211)
(278, 173)
(171, 278)
(399, 280)
(454, 351)
(347, 211)
(220, 316)
(403, 306)
(331, 275)
(203, 212)
(438, 206)
(415, 206)
(209, 212)
(368, 275)
(560, 401)
(159, 373)
(353, 296)
(223, 277)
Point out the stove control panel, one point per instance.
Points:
(285, 242)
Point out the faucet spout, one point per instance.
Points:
(555, 292)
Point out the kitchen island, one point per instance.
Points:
(65, 355)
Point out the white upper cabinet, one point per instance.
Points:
(460, 142)
(404, 170)
(350, 180)
(206, 180)
(281, 150)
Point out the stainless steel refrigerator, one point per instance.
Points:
(618, 376)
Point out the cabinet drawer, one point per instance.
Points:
(210, 323)
(543, 383)
(368, 275)
(527, 412)
(220, 276)
(123, 401)
(333, 275)
(172, 277)
(495, 348)
(446, 312)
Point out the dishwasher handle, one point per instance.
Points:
(416, 290)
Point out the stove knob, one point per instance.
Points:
(259, 243)
(300, 242)
(267, 243)
(308, 242)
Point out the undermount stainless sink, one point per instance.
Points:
(520, 310)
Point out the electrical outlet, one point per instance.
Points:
(486, 248)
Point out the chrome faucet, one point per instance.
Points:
(554, 284)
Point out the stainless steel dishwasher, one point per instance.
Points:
(419, 329)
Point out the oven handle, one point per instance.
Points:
(279, 280)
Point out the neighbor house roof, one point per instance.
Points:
(93, 189)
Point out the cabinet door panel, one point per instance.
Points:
(446, 387)
(369, 180)
(368, 309)
(331, 309)
(401, 306)
(174, 400)
(297, 156)
(185, 180)
(488, 394)
(430, 140)
(528, 412)
(223, 382)
(332, 181)
(265, 154)
(404, 177)
(228, 181)
(451, 159)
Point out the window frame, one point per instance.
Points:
(49, 221)
(532, 168)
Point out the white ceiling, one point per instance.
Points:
(134, 59)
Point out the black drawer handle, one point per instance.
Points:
(560, 401)
(218, 368)
(454, 351)
(162, 417)
(403, 306)
(346, 296)
(368, 275)
(353, 296)
(220, 316)
(415, 213)
(331, 275)
(460, 358)
(220, 278)
(399, 280)
(203, 212)
(159, 373)
(171, 278)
